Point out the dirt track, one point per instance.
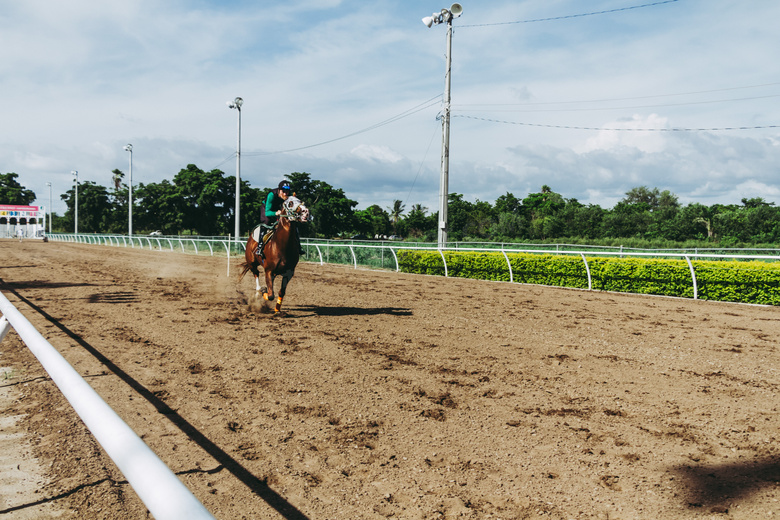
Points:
(384, 395)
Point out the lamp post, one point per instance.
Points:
(236, 103)
(76, 174)
(49, 185)
(445, 16)
(129, 148)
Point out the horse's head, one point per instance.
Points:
(295, 210)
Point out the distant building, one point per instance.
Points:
(30, 220)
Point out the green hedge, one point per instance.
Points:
(734, 281)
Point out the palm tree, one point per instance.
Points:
(117, 178)
(396, 211)
(419, 208)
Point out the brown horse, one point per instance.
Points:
(281, 252)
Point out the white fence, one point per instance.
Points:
(163, 494)
(383, 254)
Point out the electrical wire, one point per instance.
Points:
(636, 106)
(608, 100)
(418, 108)
(409, 196)
(568, 127)
(570, 15)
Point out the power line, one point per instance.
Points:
(418, 108)
(568, 127)
(607, 100)
(636, 106)
(571, 15)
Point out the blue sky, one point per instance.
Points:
(540, 96)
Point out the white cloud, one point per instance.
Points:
(376, 153)
(81, 79)
(631, 133)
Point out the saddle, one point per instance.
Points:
(266, 232)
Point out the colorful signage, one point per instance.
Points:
(18, 211)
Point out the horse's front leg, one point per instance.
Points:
(283, 289)
(257, 283)
(268, 295)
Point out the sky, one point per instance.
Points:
(590, 98)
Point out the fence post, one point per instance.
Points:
(354, 258)
(507, 263)
(587, 268)
(445, 263)
(693, 275)
(397, 267)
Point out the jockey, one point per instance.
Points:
(273, 209)
(273, 204)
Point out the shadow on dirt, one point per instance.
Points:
(95, 484)
(253, 483)
(37, 284)
(119, 297)
(318, 310)
(717, 486)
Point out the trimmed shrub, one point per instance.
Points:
(734, 281)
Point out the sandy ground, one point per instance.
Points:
(384, 395)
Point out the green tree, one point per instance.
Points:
(642, 195)
(159, 206)
(508, 227)
(417, 224)
(252, 206)
(118, 198)
(507, 204)
(481, 219)
(11, 192)
(396, 213)
(540, 210)
(208, 200)
(372, 221)
(458, 215)
(95, 210)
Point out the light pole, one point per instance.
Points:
(76, 174)
(236, 103)
(445, 16)
(49, 185)
(129, 148)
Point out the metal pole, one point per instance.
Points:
(49, 185)
(238, 177)
(74, 172)
(129, 148)
(445, 144)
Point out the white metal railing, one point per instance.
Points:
(323, 248)
(163, 494)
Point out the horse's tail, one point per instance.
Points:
(244, 267)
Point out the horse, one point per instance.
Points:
(281, 251)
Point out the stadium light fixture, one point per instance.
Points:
(49, 185)
(445, 16)
(236, 103)
(76, 227)
(129, 148)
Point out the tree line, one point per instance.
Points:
(202, 203)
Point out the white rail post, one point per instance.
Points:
(511, 276)
(446, 274)
(693, 275)
(587, 268)
(354, 258)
